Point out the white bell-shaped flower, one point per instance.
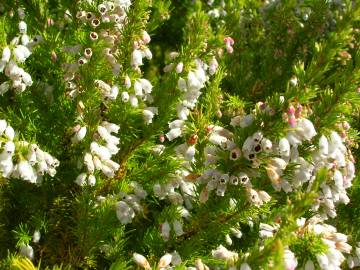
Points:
(136, 58)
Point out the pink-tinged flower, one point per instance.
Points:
(228, 41)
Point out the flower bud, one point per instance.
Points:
(91, 180)
(136, 58)
(165, 261)
(27, 251)
(264, 196)
(182, 84)
(178, 227)
(141, 261)
(165, 231)
(284, 147)
(79, 135)
(4, 87)
(168, 68)
(134, 101)
(146, 37)
(6, 54)
(21, 13)
(81, 179)
(9, 133)
(3, 126)
(309, 265)
(22, 27)
(179, 67)
(127, 82)
(173, 133)
(36, 236)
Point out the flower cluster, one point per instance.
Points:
(178, 181)
(142, 90)
(217, 11)
(267, 231)
(70, 76)
(141, 51)
(229, 43)
(223, 253)
(130, 204)
(176, 128)
(27, 251)
(191, 88)
(32, 163)
(110, 13)
(16, 53)
(108, 92)
(215, 179)
(276, 156)
(165, 229)
(336, 243)
(333, 154)
(168, 261)
(354, 260)
(142, 87)
(99, 157)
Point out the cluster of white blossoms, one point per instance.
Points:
(214, 179)
(333, 154)
(217, 11)
(179, 191)
(110, 13)
(191, 88)
(276, 156)
(267, 230)
(230, 257)
(141, 50)
(165, 229)
(354, 259)
(72, 89)
(107, 92)
(168, 261)
(129, 205)
(13, 55)
(184, 194)
(176, 128)
(336, 243)
(142, 90)
(101, 151)
(223, 253)
(32, 162)
(141, 87)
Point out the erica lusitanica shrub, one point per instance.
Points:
(184, 135)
